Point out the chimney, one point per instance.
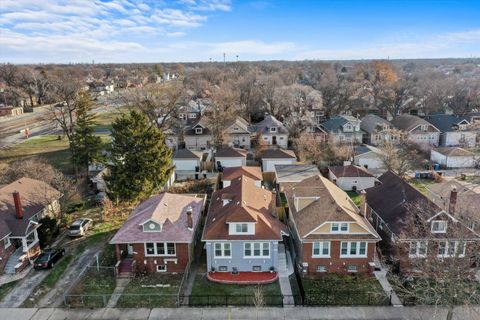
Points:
(363, 206)
(18, 205)
(189, 218)
(453, 201)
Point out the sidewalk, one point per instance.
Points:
(283, 274)
(382, 279)
(293, 313)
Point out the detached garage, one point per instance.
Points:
(270, 158)
(230, 157)
(453, 157)
(186, 160)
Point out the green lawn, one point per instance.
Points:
(206, 293)
(48, 283)
(152, 290)
(355, 197)
(344, 290)
(5, 288)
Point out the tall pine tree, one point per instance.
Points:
(140, 162)
(85, 145)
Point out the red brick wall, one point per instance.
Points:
(5, 254)
(335, 264)
(150, 266)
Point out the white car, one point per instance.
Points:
(79, 227)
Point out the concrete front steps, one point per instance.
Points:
(13, 261)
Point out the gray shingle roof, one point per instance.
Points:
(372, 123)
(295, 173)
(335, 124)
(445, 122)
(408, 122)
(269, 122)
(185, 154)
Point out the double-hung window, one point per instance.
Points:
(241, 228)
(339, 227)
(448, 249)
(418, 249)
(256, 249)
(353, 249)
(223, 250)
(160, 249)
(321, 249)
(439, 226)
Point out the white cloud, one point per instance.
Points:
(208, 5)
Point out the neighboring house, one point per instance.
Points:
(394, 205)
(198, 136)
(286, 174)
(23, 203)
(10, 111)
(453, 157)
(460, 197)
(242, 232)
(270, 158)
(330, 233)
(186, 160)
(378, 130)
(191, 112)
(172, 139)
(368, 157)
(233, 173)
(351, 177)
(343, 129)
(230, 157)
(455, 130)
(418, 130)
(159, 235)
(237, 134)
(272, 132)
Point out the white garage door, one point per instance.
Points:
(228, 163)
(185, 165)
(371, 163)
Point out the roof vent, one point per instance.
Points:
(165, 204)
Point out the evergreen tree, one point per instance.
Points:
(85, 145)
(140, 162)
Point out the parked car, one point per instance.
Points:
(48, 258)
(80, 227)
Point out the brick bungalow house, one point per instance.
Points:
(329, 232)
(159, 235)
(413, 227)
(22, 204)
(242, 233)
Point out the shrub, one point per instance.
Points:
(47, 231)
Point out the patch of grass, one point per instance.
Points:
(94, 290)
(5, 288)
(206, 293)
(334, 289)
(355, 197)
(151, 290)
(48, 283)
(422, 184)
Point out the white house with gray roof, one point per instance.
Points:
(418, 130)
(272, 132)
(343, 129)
(456, 130)
(378, 130)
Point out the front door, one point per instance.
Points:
(129, 249)
(274, 140)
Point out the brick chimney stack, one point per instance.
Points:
(189, 218)
(453, 201)
(18, 205)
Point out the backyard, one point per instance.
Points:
(151, 290)
(422, 184)
(344, 290)
(207, 293)
(355, 196)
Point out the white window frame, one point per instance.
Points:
(321, 246)
(198, 130)
(448, 246)
(252, 250)
(339, 227)
(321, 268)
(222, 249)
(165, 248)
(439, 222)
(241, 225)
(417, 245)
(273, 129)
(352, 269)
(357, 249)
(6, 242)
(192, 115)
(161, 265)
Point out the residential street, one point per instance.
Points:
(294, 313)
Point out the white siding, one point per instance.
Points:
(231, 162)
(186, 164)
(269, 164)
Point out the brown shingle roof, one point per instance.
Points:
(230, 153)
(454, 151)
(247, 203)
(350, 171)
(332, 204)
(277, 154)
(231, 173)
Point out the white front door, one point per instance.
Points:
(129, 249)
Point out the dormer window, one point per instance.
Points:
(151, 226)
(439, 226)
(273, 129)
(238, 228)
(241, 228)
(192, 115)
(339, 227)
(424, 127)
(198, 130)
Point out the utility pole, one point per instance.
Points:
(224, 61)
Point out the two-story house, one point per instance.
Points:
(272, 132)
(242, 233)
(378, 130)
(198, 136)
(190, 112)
(343, 129)
(159, 235)
(330, 234)
(455, 130)
(413, 227)
(237, 134)
(23, 203)
(418, 130)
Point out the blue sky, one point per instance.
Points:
(63, 31)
